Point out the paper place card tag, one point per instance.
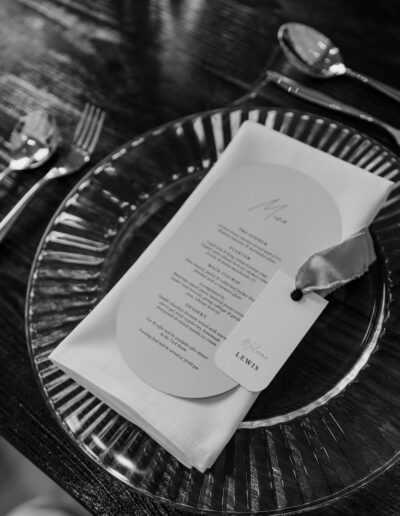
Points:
(253, 221)
(263, 340)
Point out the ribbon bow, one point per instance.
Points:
(333, 267)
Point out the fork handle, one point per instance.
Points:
(321, 99)
(13, 215)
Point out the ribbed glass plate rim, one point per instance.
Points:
(36, 262)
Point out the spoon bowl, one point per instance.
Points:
(314, 54)
(310, 51)
(33, 141)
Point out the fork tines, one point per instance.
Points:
(89, 127)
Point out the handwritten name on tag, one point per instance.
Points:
(271, 329)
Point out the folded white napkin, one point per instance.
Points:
(196, 430)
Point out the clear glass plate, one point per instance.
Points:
(330, 420)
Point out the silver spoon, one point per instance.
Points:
(316, 55)
(33, 141)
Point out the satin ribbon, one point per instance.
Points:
(333, 267)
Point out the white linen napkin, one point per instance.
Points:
(196, 430)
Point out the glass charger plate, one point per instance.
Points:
(330, 420)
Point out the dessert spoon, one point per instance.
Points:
(33, 141)
(78, 153)
(316, 55)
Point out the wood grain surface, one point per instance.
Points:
(147, 62)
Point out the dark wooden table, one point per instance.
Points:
(145, 63)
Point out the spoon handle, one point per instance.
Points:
(4, 173)
(316, 97)
(9, 220)
(373, 83)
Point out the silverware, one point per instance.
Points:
(320, 99)
(76, 156)
(316, 55)
(33, 141)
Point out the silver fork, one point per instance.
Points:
(321, 99)
(79, 152)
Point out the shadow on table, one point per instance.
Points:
(21, 481)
